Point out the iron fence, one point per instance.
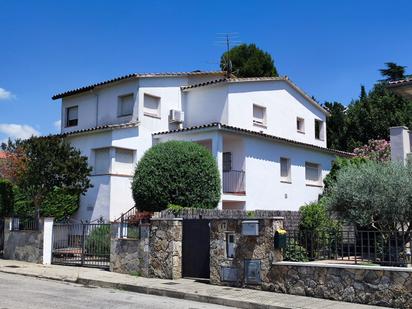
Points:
(234, 181)
(83, 244)
(391, 248)
(24, 224)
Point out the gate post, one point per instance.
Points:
(47, 240)
(83, 243)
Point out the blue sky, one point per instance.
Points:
(329, 48)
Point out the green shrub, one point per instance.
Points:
(98, 241)
(295, 253)
(338, 165)
(23, 206)
(175, 209)
(6, 198)
(59, 204)
(180, 173)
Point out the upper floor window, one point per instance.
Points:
(313, 174)
(319, 129)
(300, 125)
(125, 105)
(102, 160)
(151, 105)
(259, 115)
(285, 174)
(227, 161)
(72, 116)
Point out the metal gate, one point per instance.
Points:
(1, 236)
(81, 244)
(196, 249)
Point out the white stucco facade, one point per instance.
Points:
(247, 124)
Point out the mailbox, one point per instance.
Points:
(250, 228)
(229, 274)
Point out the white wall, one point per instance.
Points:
(205, 105)
(263, 187)
(283, 105)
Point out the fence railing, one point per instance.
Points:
(392, 248)
(234, 182)
(24, 224)
(132, 224)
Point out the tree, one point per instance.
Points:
(247, 60)
(336, 128)
(337, 166)
(180, 173)
(373, 194)
(376, 150)
(50, 163)
(6, 198)
(393, 71)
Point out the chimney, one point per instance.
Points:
(400, 143)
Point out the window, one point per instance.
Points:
(125, 105)
(300, 125)
(285, 170)
(101, 161)
(124, 156)
(151, 106)
(318, 129)
(313, 174)
(72, 116)
(227, 161)
(259, 115)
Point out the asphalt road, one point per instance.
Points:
(31, 293)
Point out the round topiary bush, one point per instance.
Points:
(181, 173)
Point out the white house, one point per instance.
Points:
(267, 135)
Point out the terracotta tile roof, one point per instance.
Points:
(225, 127)
(133, 76)
(101, 128)
(258, 79)
(400, 82)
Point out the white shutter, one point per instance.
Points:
(101, 161)
(259, 114)
(151, 105)
(312, 173)
(126, 104)
(285, 169)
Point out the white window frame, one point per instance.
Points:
(309, 182)
(302, 121)
(288, 177)
(257, 121)
(67, 116)
(109, 167)
(158, 114)
(321, 129)
(120, 105)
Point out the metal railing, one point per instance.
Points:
(234, 182)
(132, 224)
(391, 248)
(24, 223)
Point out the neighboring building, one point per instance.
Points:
(267, 135)
(401, 137)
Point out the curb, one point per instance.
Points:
(156, 291)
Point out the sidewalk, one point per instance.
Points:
(182, 288)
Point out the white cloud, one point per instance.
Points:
(14, 131)
(6, 95)
(57, 124)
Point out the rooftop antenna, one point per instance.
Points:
(230, 40)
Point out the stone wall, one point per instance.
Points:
(383, 286)
(130, 256)
(23, 245)
(165, 247)
(259, 248)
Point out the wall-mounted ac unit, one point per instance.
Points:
(176, 116)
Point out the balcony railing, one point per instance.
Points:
(234, 182)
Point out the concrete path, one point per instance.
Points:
(182, 288)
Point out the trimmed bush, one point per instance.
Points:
(6, 198)
(98, 242)
(59, 204)
(180, 173)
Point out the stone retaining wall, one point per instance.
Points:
(130, 256)
(23, 245)
(382, 286)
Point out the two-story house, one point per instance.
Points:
(267, 135)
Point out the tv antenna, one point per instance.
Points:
(229, 40)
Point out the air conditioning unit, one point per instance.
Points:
(176, 116)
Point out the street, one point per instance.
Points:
(25, 292)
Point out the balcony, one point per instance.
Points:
(234, 182)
